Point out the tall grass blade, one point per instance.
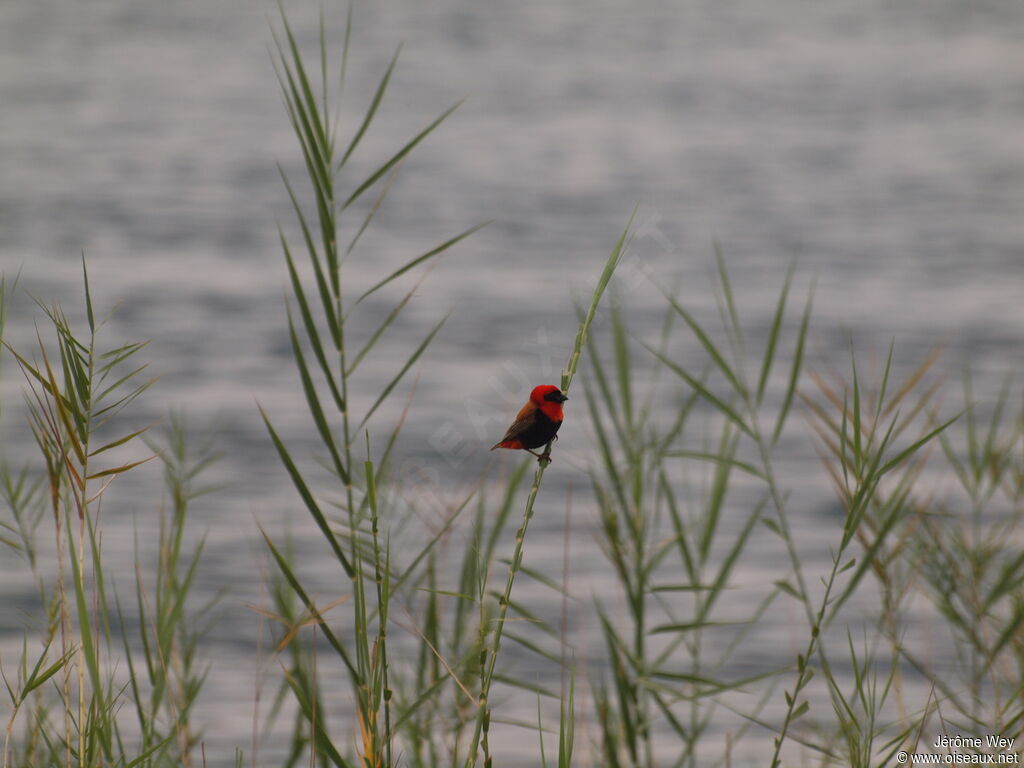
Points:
(312, 334)
(703, 391)
(794, 369)
(375, 177)
(709, 347)
(313, 402)
(602, 283)
(420, 259)
(307, 496)
(405, 369)
(372, 110)
(773, 334)
(307, 601)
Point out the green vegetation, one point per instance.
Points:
(680, 677)
(65, 690)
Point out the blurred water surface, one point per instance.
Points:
(880, 143)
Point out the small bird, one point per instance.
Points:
(537, 422)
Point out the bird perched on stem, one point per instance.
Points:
(537, 422)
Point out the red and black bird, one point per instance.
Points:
(537, 422)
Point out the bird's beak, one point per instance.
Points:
(563, 399)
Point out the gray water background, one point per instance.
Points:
(880, 143)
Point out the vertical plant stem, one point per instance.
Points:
(80, 660)
(83, 511)
(65, 627)
(480, 730)
(492, 654)
(379, 576)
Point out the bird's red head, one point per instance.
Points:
(547, 393)
(549, 399)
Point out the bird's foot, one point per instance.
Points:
(542, 458)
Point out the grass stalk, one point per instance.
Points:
(358, 541)
(490, 655)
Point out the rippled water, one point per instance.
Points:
(880, 143)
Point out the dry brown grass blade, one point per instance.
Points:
(310, 619)
(913, 379)
(413, 629)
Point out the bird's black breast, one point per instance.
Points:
(540, 432)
